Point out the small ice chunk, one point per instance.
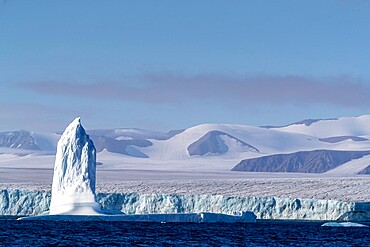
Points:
(344, 224)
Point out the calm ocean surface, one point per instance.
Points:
(266, 233)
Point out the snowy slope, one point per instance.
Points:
(345, 126)
(353, 167)
(258, 141)
(46, 141)
(244, 141)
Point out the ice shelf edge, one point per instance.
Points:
(26, 203)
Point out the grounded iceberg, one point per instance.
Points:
(73, 190)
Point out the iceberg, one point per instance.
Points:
(343, 224)
(74, 180)
(359, 215)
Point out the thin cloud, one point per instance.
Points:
(169, 88)
(35, 117)
(24, 116)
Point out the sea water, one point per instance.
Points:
(99, 233)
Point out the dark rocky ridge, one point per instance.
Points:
(211, 143)
(365, 171)
(18, 139)
(126, 147)
(317, 161)
(336, 139)
(307, 122)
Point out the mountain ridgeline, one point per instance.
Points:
(214, 143)
(317, 161)
(308, 146)
(18, 139)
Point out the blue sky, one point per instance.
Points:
(166, 65)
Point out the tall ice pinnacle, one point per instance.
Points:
(73, 190)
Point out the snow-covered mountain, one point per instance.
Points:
(18, 139)
(210, 144)
(218, 143)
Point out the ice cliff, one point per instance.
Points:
(23, 202)
(73, 189)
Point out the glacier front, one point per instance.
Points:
(27, 203)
